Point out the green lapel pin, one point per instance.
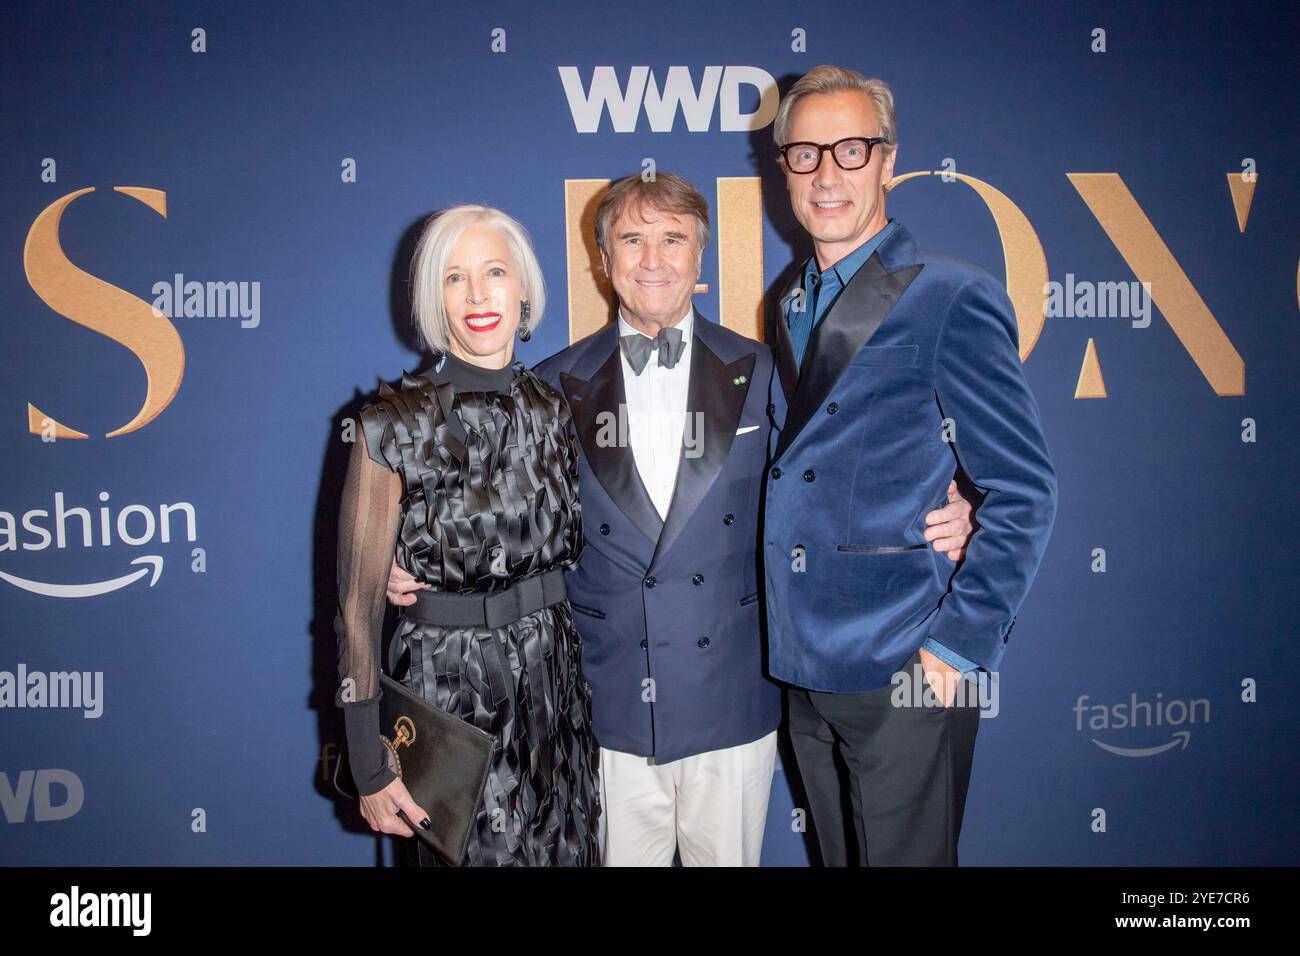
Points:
(739, 380)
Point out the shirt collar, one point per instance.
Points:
(848, 267)
(686, 325)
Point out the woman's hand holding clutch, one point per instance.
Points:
(381, 808)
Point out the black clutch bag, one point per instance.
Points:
(442, 760)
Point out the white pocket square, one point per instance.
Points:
(746, 430)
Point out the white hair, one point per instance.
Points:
(429, 264)
(838, 79)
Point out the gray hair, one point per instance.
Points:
(438, 240)
(664, 193)
(838, 79)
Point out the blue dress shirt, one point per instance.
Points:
(821, 289)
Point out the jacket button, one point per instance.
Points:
(650, 582)
(644, 645)
(809, 475)
(604, 529)
(703, 642)
(776, 473)
(697, 580)
(833, 407)
(729, 519)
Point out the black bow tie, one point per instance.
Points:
(669, 343)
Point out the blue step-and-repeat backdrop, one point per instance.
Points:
(209, 212)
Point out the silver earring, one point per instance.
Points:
(525, 310)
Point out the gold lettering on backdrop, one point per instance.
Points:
(104, 308)
(1243, 193)
(1022, 252)
(1136, 238)
(738, 237)
(739, 242)
(1091, 384)
(591, 297)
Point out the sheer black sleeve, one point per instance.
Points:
(369, 520)
(571, 453)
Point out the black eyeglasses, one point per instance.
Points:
(853, 152)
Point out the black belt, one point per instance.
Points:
(483, 609)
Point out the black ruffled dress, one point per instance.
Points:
(485, 469)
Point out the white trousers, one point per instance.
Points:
(711, 807)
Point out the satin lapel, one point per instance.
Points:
(715, 399)
(784, 347)
(841, 334)
(604, 440)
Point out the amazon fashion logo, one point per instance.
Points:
(61, 527)
(1165, 724)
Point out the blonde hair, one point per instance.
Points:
(838, 79)
(441, 233)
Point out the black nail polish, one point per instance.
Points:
(426, 823)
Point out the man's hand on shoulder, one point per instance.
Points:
(949, 528)
(401, 585)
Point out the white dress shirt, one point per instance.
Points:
(656, 413)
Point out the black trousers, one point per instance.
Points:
(886, 785)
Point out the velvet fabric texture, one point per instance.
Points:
(913, 375)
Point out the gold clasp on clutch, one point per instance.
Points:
(403, 732)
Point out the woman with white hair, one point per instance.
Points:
(469, 470)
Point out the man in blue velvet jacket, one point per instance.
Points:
(894, 363)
